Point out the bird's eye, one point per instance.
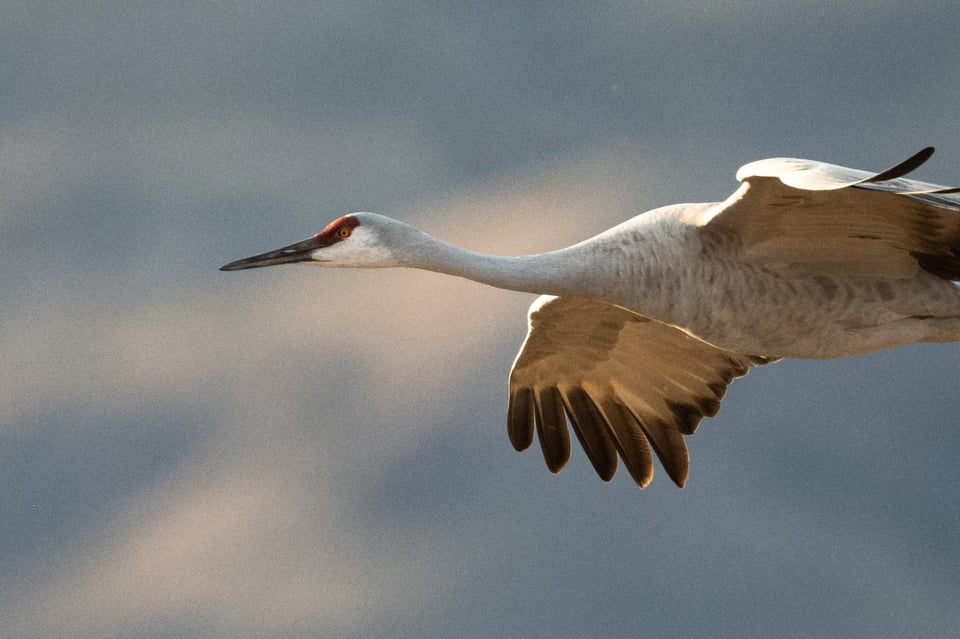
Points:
(343, 232)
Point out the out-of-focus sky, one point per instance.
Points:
(297, 452)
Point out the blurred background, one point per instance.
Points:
(299, 452)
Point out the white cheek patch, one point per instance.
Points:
(361, 250)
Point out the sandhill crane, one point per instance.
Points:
(639, 330)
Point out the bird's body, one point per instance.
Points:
(642, 327)
(664, 266)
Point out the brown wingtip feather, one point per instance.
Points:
(592, 430)
(688, 416)
(899, 170)
(552, 430)
(667, 442)
(520, 418)
(630, 441)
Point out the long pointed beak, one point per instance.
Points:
(299, 252)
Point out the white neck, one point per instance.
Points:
(569, 271)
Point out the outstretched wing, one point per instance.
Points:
(626, 383)
(827, 218)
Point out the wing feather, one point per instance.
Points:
(552, 427)
(628, 438)
(592, 430)
(626, 383)
(521, 418)
(832, 219)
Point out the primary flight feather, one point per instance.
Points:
(639, 330)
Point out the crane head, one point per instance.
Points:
(350, 241)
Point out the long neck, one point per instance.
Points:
(571, 271)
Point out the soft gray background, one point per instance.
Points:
(297, 452)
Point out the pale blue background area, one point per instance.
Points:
(298, 453)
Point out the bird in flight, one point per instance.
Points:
(639, 330)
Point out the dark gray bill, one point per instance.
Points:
(299, 252)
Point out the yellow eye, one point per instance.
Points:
(343, 232)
